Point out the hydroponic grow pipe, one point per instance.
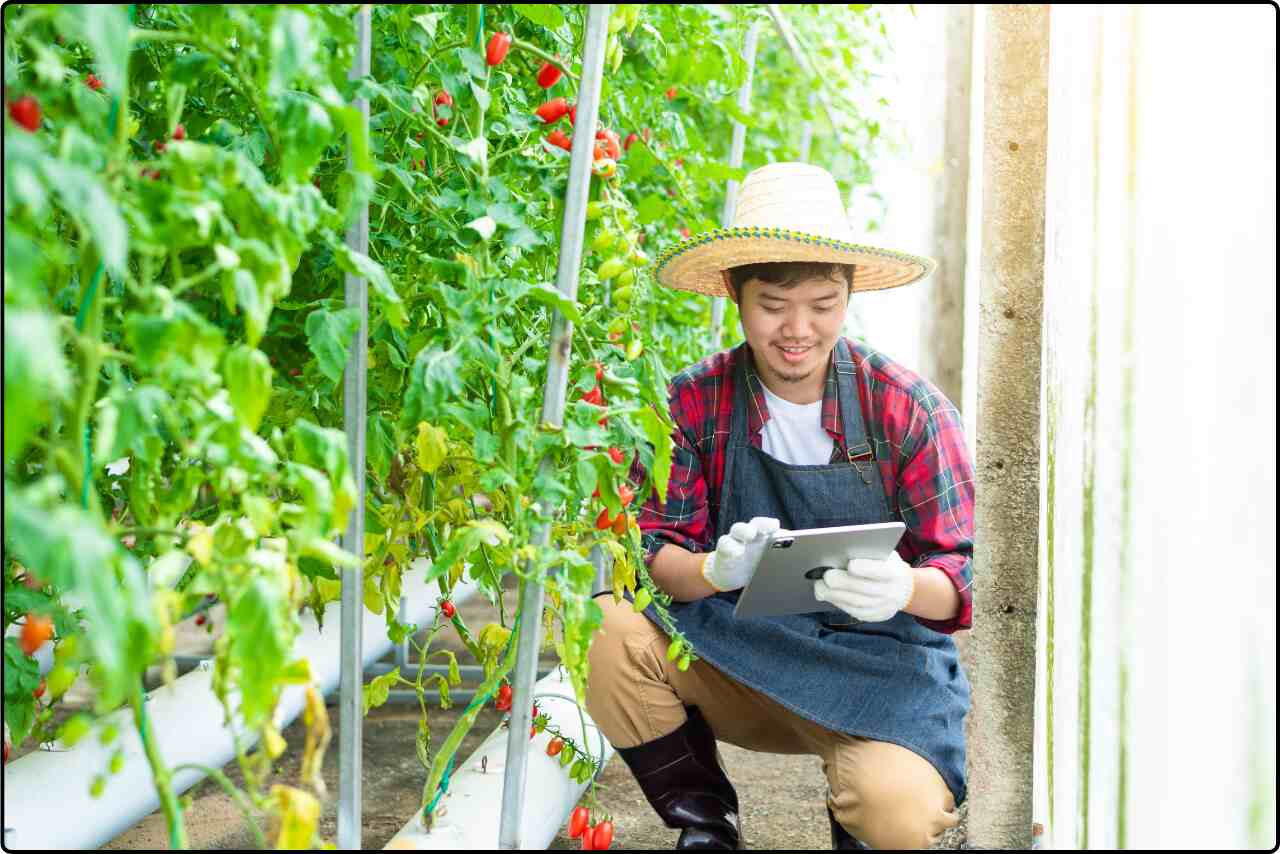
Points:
(559, 350)
(463, 820)
(47, 805)
(355, 412)
(735, 162)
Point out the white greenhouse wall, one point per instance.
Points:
(1175, 506)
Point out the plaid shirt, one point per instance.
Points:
(919, 443)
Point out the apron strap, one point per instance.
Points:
(857, 448)
(741, 394)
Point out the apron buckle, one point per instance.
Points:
(862, 462)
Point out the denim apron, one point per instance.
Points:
(895, 681)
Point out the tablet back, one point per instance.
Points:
(783, 582)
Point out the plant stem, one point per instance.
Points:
(161, 774)
(233, 793)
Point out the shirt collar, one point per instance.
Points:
(758, 409)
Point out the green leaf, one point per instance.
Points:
(464, 541)
(376, 691)
(358, 264)
(544, 14)
(95, 212)
(434, 378)
(552, 297)
(105, 26)
(329, 334)
(261, 628)
(292, 49)
(652, 208)
(432, 446)
(35, 375)
(658, 432)
(246, 371)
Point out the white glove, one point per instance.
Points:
(738, 554)
(868, 590)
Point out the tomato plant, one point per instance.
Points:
(178, 184)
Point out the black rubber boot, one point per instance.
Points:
(681, 776)
(841, 839)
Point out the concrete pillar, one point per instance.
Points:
(1008, 452)
(943, 312)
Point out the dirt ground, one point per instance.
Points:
(782, 797)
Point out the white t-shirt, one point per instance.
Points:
(794, 433)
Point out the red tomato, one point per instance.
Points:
(442, 97)
(200, 619)
(179, 132)
(26, 112)
(548, 74)
(560, 140)
(612, 148)
(626, 145)
(39, 691)
(553, 110)
(159, 146)
(6, 750)
(573, 113)
(602, 836)
(684, 232)
(93, 82)
(599, 372)
(620, 525)
(603, 521)
(588, 844)
(504, 693)
(446, 607)
(555, 746)
(595, 396)
(626, 495)
(497, 49)
(295, 372)
(35, 631)
(578, 822)
(617, 456)
(671, 94)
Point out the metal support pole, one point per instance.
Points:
(735, 162)
(793, 45)
(571, 234)
(354, 396)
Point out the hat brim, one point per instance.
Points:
(697, 264)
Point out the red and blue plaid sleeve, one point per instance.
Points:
(934, 490)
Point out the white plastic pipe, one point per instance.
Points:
(466, 817)
(47, 805)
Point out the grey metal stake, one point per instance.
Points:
(571, 239)
(735, 162)
(354, 397)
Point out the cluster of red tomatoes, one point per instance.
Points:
(595, 837)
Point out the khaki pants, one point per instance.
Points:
(885, 795)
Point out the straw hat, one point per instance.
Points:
(785, 212)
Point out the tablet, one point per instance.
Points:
(793, 560)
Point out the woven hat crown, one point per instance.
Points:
(796, 196)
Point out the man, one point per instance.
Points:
(799, 428)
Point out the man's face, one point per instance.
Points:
(792, 330)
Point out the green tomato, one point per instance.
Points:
(578, 768)
(566, 755)
(74, 729)
(638, 258)
(684, 662)
(622, 295)
(595, 210)
(673, 651)
(643, 598)
(60, 679)
(618, 325)
(603, 240)
(610, 268)
(108, 734)
(634, 349)
(97, 786)
(626, 277)
(117, 761)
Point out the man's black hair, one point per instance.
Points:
(787, 274)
